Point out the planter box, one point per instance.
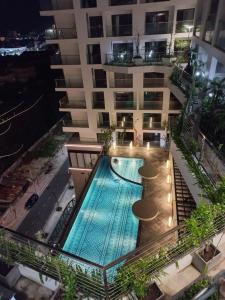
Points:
(201, 265)
(154, 292)
(9, 274)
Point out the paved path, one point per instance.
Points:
(41, 211)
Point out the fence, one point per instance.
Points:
(105, 282)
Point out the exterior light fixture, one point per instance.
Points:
(150, 122)
(170, 221)
(167, 164)
(122, 123)
(122, 55)
(169, 198)
(114, 145)
(131, 145)
(168, 179)
(148, 145)
(150, 54)
(210, 95)
(197, 73)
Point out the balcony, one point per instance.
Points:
(175, 105)
(100, 83)
(184, 26)
(151, 105)
(121, 30)
(154, 82)
(79, 104)
(103, 124)
(60, 33)
(59, 59)
(124, 124)
(147, 58)
(46, 5)
(68, 83)
(220, 42)
(121, 2)
(95, 31)
(125, 105)
(98, 104)
(122, 83)
(157, 28)
(76, 123)
(150, 125)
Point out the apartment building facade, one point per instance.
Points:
(114, 60)
(209, 36)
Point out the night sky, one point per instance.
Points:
(22, 16)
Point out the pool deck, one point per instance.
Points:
(158, 193)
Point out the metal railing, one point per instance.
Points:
(207, 155)
(60, 33)
(152, 125)
(124, 124)
(67, 83)
(152, 104)
(88, 3)
(94, 59)
(103, 124)
(146, 57)
(103, 282)
(220, 41)
(59, 59)
(76, 123)
(120, 30)
(184, 26)
(98, 104)
(55, 5)
(64, 218)
(122, 2)
(157, 28)
(125, 104)
(174, 105)
(74, 104)
(154, 82)
(95, 31)
(100, 83)
(122, 83)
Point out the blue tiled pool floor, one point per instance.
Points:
(105, 227)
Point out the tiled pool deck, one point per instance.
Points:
(157, 193)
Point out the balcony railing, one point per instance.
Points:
(122, 2)
(95, 31)
(98, 104)
(147, 57)
(152, 105)
(103, 124)
(79, 104)
(174, 105)
(121, 30)
(152, 125)
(154, 82)
(76, 123)
(55, 5)
(220, 42)
(58, 59)
(124, 124)
(60, 33)
(126, 104)
(184, 26)
(157, 28)
(100, 83)
(94, 59)
(122, 83)
(62, 83)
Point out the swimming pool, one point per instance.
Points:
(105, 227)
(127, 167)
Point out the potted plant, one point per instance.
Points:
(107, 138)
(201, 226)
(137, 58)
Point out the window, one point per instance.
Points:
(94, 54)
(122, 25)
(88, 3)
(100, 78)
(95, 27)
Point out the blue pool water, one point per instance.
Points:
(128, 167)
(105, 227)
